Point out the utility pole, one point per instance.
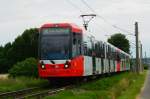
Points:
(141, 57)
(137, 47)
(145, 58)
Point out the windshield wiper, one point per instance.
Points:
(52, 61)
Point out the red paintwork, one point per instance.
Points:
(118, 66)
(75, 70)
(74, 28)
(118, 62)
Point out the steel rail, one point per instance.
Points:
(18, 92)
(40, 95)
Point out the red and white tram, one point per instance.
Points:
(65, 51)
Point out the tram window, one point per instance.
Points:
(74, 41)
(111, 56)
(109, 52)
(121, 55)
(100, 49)
(118, 57)
(96, 50)
(87, 50)
(114, 54)
(76, 48)
(79, 41)
(104, 50)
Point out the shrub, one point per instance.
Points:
(27, 68)
(145, 66)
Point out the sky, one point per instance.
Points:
(18, 15)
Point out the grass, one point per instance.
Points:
(134, 89)
(123, 86)
(12, 84)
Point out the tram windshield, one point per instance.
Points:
(54, 43)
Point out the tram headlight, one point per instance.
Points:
(66, 66)
(43, 66)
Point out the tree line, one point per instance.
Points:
(24, 46)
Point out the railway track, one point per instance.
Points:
(15, 94)
(40, 95)
(34, 93)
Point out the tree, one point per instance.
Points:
(4, 61)
(119, 40)
(24, 46)
(28, 68)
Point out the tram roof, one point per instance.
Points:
(74, 27)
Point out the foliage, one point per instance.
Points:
(23, 47)
(135, 86)
(119, 40)
(12, 84)
(146, 66)
(4, 60)
(27, 68)
(113, 87)
(26, 45)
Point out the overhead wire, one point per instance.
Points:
(90, 8)
(75, 6)
(132, 43)
(101, 17)
(99, 26)
(83, 1)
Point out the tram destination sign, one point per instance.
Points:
(55, 31)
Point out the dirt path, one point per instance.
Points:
(145, 94)
(3, 76)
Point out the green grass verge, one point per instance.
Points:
(134, 89)
(12, 84)
(122, 86)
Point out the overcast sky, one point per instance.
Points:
(18, 15)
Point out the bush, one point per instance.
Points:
(145, 66)
(27, 68)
